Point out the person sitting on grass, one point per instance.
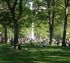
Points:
(19, 46)
(42, 42)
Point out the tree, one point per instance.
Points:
(65, 22)
(50, 4)
(12, 5)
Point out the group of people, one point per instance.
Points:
(40, 40)
(2, 40)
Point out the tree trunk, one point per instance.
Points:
(5, 33)
(51, 27)
(16, 30)
(65, 23)
(15, 18)
(51, 19)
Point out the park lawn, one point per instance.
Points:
(49, 54)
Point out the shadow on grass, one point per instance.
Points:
(49, 54)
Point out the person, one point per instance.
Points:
(31, 44)
(12, 41)
(18, 46)
(2, 40)
(42, 42)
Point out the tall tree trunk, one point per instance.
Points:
(51, 28)
(51, 19)
(16, 30)
(65, 23)
(5, 33)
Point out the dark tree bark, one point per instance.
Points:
(16, 33)
(16, 25)
(65, 22)
(5, 33)
(51, 13)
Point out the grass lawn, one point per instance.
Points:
(49, 54)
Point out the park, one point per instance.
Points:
(34, 31)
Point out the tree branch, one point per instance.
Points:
(20, 9)
(14, 5)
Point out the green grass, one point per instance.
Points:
(49, 54)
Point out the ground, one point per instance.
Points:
(49, 54)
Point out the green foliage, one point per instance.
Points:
(38, 16)
(1, 28)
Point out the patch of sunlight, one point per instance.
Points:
(50, 50)
(61, 58)
(39, 62)
(35, 50)
(2, 44)
(54, 56)
(54, 50)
